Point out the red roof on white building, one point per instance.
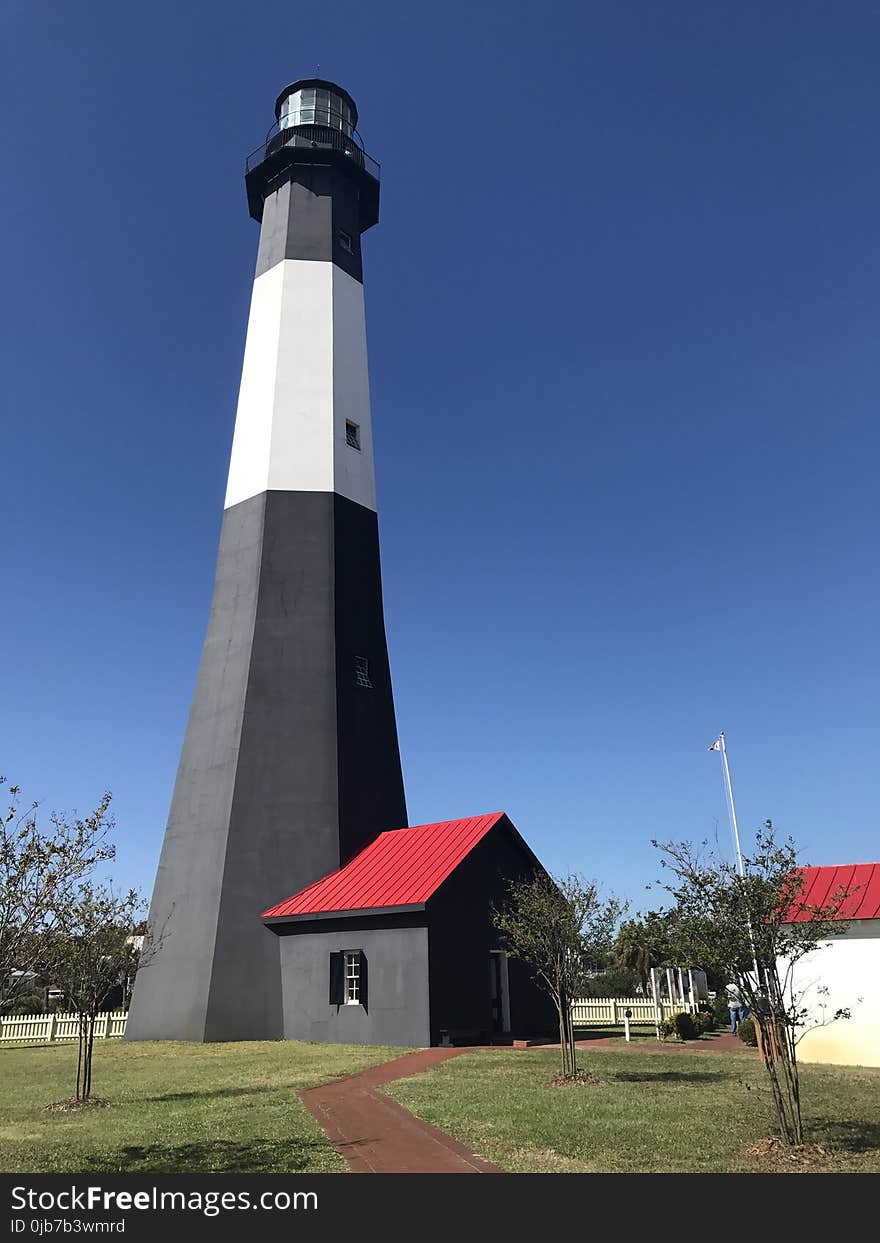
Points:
(861, 881)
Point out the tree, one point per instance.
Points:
(753, 930)
(643, 943)
(615, 982)
(90, 949)
(39, 870)
(559, 928)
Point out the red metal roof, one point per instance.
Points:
(860, 880)
(403, 867)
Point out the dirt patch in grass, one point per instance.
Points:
(72, 1105)
(775, 1152)
(580, 1079)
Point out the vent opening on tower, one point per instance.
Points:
(362, 672)
(345, 241)
(352, 434)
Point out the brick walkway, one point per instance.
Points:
(375, 1135)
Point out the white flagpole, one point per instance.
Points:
(730, 804)
(739, 859)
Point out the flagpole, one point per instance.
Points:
(729, 790)
(739, 859)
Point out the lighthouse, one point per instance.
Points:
(290, 764)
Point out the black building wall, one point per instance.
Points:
(462, 936)
(288, 768)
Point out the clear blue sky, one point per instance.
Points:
(623, 312)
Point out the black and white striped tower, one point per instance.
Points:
(290, 763)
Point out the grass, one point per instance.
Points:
(651, 1112)
(637, 1033)
(174, 1108)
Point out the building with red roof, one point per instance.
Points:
(399, 945)
(844, 973)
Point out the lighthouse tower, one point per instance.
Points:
(290, 763)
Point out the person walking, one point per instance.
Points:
(735, 1007)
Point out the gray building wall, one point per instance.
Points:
(397, 996)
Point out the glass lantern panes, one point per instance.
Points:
(316, 106)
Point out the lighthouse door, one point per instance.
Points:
(498, 993)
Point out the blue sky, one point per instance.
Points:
(623, 311)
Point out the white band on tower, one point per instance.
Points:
(303, 418)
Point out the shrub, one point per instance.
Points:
(703, 1022)
(681, 1026)
(720, 1010)
(747, 1034)
(684, 1026)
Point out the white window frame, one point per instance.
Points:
(352, 977)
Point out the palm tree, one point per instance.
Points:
(642, 943)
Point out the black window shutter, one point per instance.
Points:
(363, 978)
(337, 979)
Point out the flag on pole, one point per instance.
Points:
(716, 745)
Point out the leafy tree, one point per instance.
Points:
(90, 949)
(616, 982)
(39, 870)
(559, 928)
(752, 930)
(643, 943)
(30, 997)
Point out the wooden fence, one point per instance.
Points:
(585, 1012)
(42, 1028)
(609, 1011)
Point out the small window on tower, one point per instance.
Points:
(362, 672)
(352, 435)
(345, 242)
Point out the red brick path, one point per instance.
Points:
(375, 1135)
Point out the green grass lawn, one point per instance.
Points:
(640, 1032)
(651, 1112)
(174, 1107)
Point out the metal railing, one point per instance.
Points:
(312, 136)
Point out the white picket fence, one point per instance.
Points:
(42, 1028)
(585, 1012)
(609, 1011)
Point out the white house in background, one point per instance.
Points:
(848, 966)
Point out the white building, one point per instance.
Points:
(847, 966)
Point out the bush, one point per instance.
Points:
(684, 1026)
(720, 1010)
(747, 1033)
(703, 1022)
(680, 1025)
